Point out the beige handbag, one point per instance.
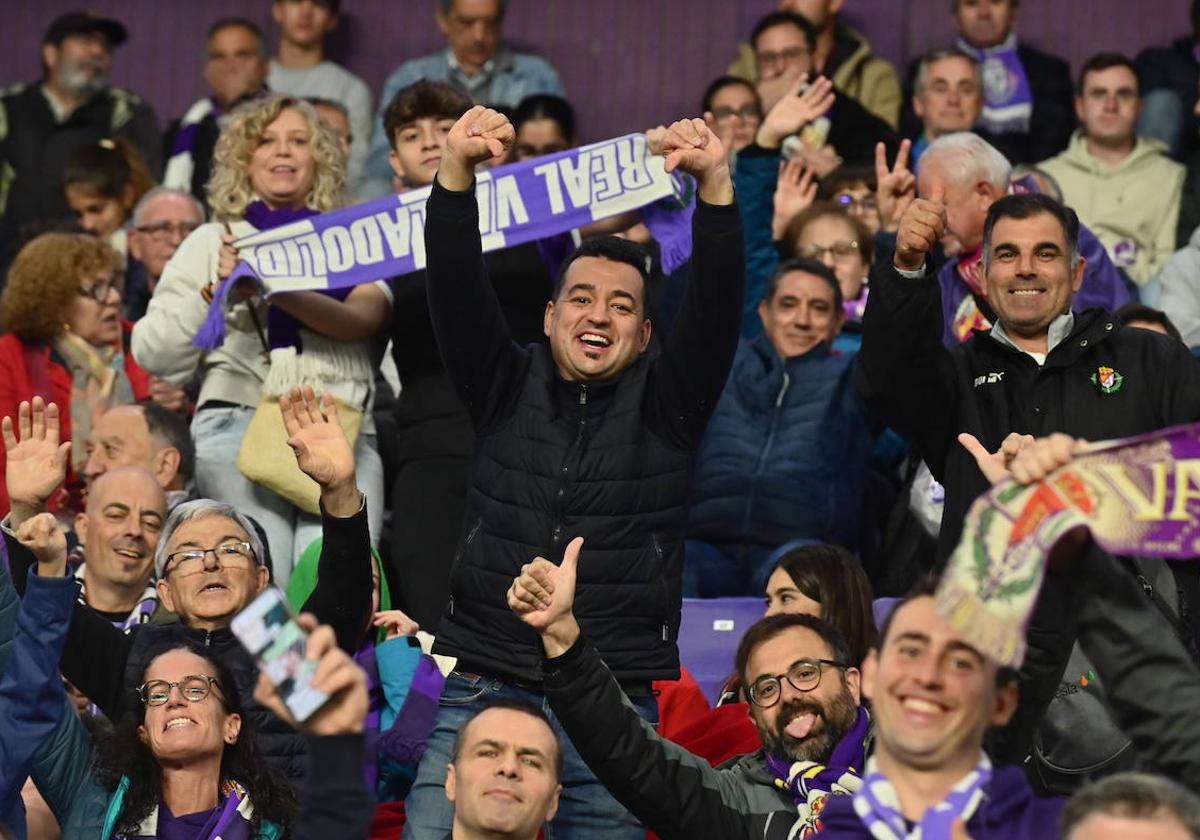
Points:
(265, 457)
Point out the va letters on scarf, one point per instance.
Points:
(1138, 495)
(518, 203)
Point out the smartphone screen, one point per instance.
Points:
(267, 628)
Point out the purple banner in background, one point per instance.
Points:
(1138, 495)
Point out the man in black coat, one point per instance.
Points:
(588, 435)
(1041, 369)
(43, 123)
(1028, 111)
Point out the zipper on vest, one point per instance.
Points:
(207, 638)
(583, 394)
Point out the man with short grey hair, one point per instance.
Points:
(162, 219)
(475, 60)
(947, 96)
(1130, 806)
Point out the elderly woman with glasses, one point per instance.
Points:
(183, 760)
(276, 162)
(65, 341)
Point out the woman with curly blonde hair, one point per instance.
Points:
(65, 341)
(276, 162)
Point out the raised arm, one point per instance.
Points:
(364, 312)
(342, 596)
(904, 372)
(672, 791)
(690, 373)
(472, 335)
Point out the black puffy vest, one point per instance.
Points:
(278, 742)
(573, 459)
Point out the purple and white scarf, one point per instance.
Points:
(810, 782)
(519, 202)
(230, 820)
(1008, 97)
(878, 806)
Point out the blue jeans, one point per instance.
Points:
(585, 810)
(218, 434)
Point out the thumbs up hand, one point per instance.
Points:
(542, 596)
(921, 227)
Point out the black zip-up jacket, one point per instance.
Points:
(930, 394)
(609, 461)
(107, 665)
(34, 147)
(674, 793)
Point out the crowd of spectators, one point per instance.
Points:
(490, 487)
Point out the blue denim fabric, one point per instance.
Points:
(585, 810)
(218, 434)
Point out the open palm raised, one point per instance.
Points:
(315, 434)
(36, 459)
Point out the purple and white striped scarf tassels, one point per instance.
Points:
(878, 806)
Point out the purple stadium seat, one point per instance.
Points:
(709, 632)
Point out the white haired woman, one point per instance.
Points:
(275, 163)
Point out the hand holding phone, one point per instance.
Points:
(271, 633)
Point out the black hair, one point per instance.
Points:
(512, 704)
(926, 587)
(124, 754)
(846, 176)
(1140, 312)
(807, 266)
(780, 18)
(833, 577)
(107, 168)
(334, 6)
(240, 23)
(420, 100)
(719, 84)
(1103, 61)
(768, 628)
(1195, 16)
(546, 106)
(1026, 206)
(169, 426)
(615, 249)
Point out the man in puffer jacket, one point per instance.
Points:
(786, 452)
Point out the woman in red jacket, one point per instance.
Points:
(65, 340)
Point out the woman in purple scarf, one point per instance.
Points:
(277, 162)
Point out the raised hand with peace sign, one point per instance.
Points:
(542, 596)
(896, 187)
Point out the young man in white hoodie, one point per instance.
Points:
(1124, 187)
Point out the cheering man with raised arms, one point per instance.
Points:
(589, 436)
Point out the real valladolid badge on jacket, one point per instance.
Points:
(1107, 380)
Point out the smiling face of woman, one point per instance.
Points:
(282, 168)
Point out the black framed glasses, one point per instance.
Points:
(193, 689)
(746, 112)
(804, 675)
(190, 561)
(99, 290)
(791, 55)
(867, 202)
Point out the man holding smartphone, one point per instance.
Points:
(210, 563)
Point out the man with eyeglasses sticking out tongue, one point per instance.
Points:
(804, 700)
(209, 562)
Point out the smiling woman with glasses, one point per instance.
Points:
(65, 340)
